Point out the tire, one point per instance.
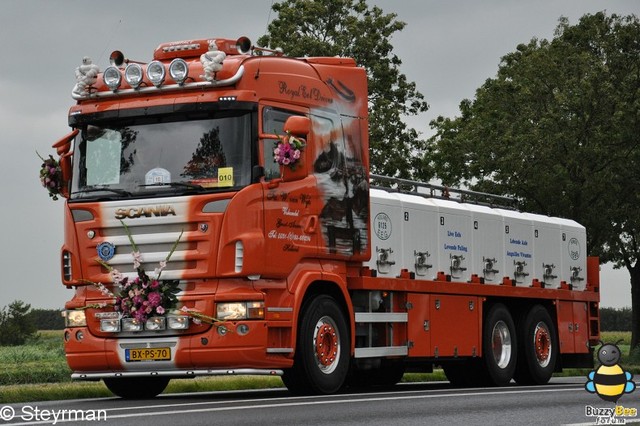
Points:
(499, 346)
(322, 357)
(137, 388)
(538, 348)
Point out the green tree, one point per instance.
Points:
(16, 326)
(350, 28)
(559, 129)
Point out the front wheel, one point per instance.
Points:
(499, 345)
(538, 351)
(138, 387)
(322, 353)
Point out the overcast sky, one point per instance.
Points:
(449, 48)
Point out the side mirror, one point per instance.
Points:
(63, 149)
(298, 125)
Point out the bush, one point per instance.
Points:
(612, 319)
(16, 326)
(47, 319)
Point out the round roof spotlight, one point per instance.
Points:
(112, 78)
(156, 73)
(133, 75)
(179, 70)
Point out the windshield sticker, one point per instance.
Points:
(225, 176)
(157, 175)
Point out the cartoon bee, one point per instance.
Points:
(610, 381)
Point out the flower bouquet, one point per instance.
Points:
(51, 176)
(287, 152)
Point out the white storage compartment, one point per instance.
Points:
(386, 233)
(573, 254)
(454, 238)
(546, 250)
(518, 247)
(487, 244)
(420, 236)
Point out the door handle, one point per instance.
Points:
(310, 227)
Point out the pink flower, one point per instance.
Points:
(160, 310)
(154, 299)
(296, 154)
(137, 259)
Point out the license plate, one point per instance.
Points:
(147, 354)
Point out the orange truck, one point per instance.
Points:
(220, 219)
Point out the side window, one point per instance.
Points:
(273, 120)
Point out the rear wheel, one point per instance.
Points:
(499, 345)
(322, 354)
(538, 349)
(138, 387)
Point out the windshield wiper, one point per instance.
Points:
(197, 187)
(96, 189)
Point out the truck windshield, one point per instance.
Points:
(153, 156)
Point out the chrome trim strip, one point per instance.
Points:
(276, 309)
(381, 351)
(382, 317)
(175, 373)
(279, 350)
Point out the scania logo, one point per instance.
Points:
(135, 212)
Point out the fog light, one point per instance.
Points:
(178, 322)
(222, 330)
(131, 324)
(67, 336)
(155, 324)
(242, 329)
(79, 335)
(110, 325)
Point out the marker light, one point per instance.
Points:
(179, 70)
(112, 78)
(156, 73)
(133, 75)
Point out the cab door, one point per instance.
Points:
(291, 212)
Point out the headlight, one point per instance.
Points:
(131, 324)
(133, 75)
(240, 310)
(75, 319)
(155, 324)
(111, 325)
(177, 322)
(112, 78)
(179, 70)
(156, 73)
